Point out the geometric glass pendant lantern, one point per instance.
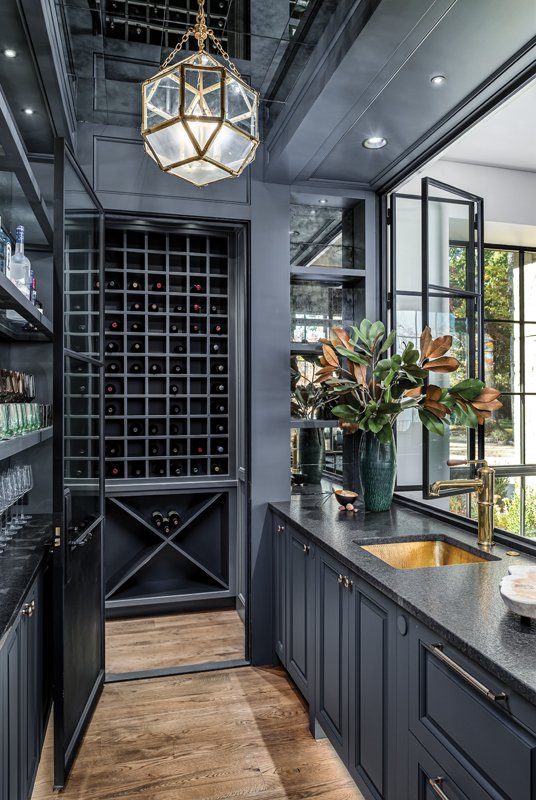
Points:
(200, 121)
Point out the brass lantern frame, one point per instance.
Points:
(177, 72)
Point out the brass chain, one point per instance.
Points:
(201, 32)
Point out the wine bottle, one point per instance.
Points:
(220, 409)
(213, 309)
(174, 430)
(135, 429)
(173, 388)
(158, 286)
(112, 347)
(113, 284)
(113, 450)
(176, 368)
(216, 469)
(155, 369)
(199, 450)
(115, 325)
(110, 388)
(218, 387)
(136, 307)
(136, 347)
(110, 410)
(113, 367)
(217, 329)
(153, 307)
(135, 286)
(219, 367)
(136, 472)
(153, 429)
(215, 348)
(197, 309)
(195, 328)
(179, 348)
(197, 287)
(136, 368)
(220, 428)
(220, 449)
(157, 519)
(96, 285)
(195, 469)
(174, 518)
(115, 471)
(176, 409)
(173, 328)
(136, 326)
(166, 524)
(154, 449)
(175, 449)
(158, 470)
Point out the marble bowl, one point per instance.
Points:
(518, 591)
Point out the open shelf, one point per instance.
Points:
(18, 444)
(31, 327)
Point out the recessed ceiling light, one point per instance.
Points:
(323, 201)
(437, 80)
(9, 52)
(374, 142)
(28, 111)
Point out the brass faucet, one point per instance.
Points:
(484, 486)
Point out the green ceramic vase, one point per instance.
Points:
(377, 470)
(312, 454)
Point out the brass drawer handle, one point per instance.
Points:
(348, 584)
(306, 549)
(340, 578)
(280, 528)
(28, 609)
(435, 785)
(437, 650)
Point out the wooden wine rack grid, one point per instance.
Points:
(180, 410)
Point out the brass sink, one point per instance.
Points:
(417, 554)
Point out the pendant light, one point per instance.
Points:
(200, 120)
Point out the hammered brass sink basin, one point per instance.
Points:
(419, 554)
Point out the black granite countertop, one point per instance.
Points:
(19, 563)
(462, 603)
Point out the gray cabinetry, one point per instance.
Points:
(280, 596)
(21, 699)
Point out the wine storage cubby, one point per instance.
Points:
(167, 548)
(169, 379)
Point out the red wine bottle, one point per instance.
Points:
(110, 388)
(96, 285)
(213, 309)
(153, 307)
(115, 325)
(113, 450)
(174, 518)
(173, 328)
(136, 326)
(195, 328)
(114, 471)
(157, 519)
(154, 449)
(215, 348)
(136, 472)
(175, 449)
(158, 286)
(176, 409)
(197, 309)
(113, 284)
(176, 368)
(197, 287)
(217, 329)
(136, 307)
(158, 470)
(166, 524)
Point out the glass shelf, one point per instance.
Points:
(31, 327)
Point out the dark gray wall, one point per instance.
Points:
(127, 180)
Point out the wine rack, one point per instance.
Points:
(148, 564)
(169, 383)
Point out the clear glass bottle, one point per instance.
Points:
(21, 269)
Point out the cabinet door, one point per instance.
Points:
(430, 781)
(300, 611)
(280, 605)
(12, 716)
(332, 652)
(372, 689)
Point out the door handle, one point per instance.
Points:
(435, 785)
(437, 651)
(347, 583)
(28, 609)
(306, 549)
(280, 528)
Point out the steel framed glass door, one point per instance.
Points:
(78, 491)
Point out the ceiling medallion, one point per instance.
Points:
(200, 120)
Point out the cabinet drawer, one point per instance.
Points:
(430, 780)
(451, 715)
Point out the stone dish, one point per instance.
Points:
(518, 591)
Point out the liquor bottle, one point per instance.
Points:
(195, 328)
(154, 449)
(135, 286)
(179, 348)
(217, 329)
(112, 347)
(175, 409)
(173, 388)
(174, 518)
(153, 429)
(158, 286)
(115, 325)
(136, 326)
(110, 388)
(113, 284)
(219, 367)
(136, 306)
(113, 367)
(135, 429)
(155, 369)
(176, 368)
(153, 307)
(114, 471)
(218, 387)
(215, 348)
(20, 267)
(179, 309)
(110, 410)
(158, 470)
(157, 519)
(5, 251)
(216, 468)
(136, 368)
(197, 287)
(136, 347)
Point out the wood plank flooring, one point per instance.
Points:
(173, 640)
(237, 733)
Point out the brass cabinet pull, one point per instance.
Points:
(340, 578)
(280, 528)
(437, 650)
(306, 549)
(435, 785)
(348, 584)
(28, 609)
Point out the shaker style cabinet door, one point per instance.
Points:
(332, 606)
(300, 626)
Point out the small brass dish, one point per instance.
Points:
(345, 496)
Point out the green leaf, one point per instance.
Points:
(385, 434)
(345, 412)
(352, 356)
(389, 408)
(468, 389)
(388, 343)
(376, 329)
(364, 330)
(431, 422)
(396, 360)
(375, 426)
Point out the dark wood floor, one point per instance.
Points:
(174, 640)
(239, 733)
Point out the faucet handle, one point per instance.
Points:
(461, 462)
